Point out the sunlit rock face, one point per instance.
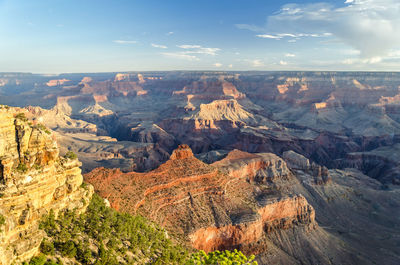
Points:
(34, 179)
(225, 205)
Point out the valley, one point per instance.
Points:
(294, 167)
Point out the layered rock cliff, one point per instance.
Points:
(34, 179)
(210, 206)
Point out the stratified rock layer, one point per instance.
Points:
(226, 205)
(33, 181)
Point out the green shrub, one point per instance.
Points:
(47, 247)
(71, 155)
(109, 231)
(42, 128)
(70, 235)
(67, 249)
(22, 168)
(37, 167)
(2, 222)
(21, 116)
(221, 258)
(42, 260)
(39, 260)
(84, 185)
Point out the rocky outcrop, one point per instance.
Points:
(381, 163)
(182, 152)
(276, 214)
(260, 167)
(34, 179)
(57, 82)
(224, 110)
(298, 162)
(210, 206)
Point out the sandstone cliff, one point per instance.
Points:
(210, 206)
(34, 179)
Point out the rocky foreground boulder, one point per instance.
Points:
(34, 179)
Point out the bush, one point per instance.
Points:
(221, 258)
(84, 185)
(22, 168)
(71, 155)
(47, 247)
(113, 234)
(40, 260)
(42, 128)
(68, 249)
(2, 222)
(21, 116)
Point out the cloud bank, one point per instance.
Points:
(370, 26)
(190, 52)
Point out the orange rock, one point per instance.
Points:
(220, 206)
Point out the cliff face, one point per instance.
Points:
(229, 204)
(34, 179)
(276, 214)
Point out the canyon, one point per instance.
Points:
(295, 167)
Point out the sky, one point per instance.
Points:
(61, 36)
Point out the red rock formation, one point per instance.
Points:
(211, 206)
(277, 214)
(182, 152)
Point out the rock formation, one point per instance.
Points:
(34, 179)
(211, 206)
(298, 162)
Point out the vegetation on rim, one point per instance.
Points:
(102, 235)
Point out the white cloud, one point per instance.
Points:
(372, 27)
(373, 60)
(125, 41)
(283, 63)
(257, 63)
(249, 27)
(290, 35)
(189, 46)
(268, 36)
(170, 33)
(290, 55)
(369, 26)
(218, 64)
(178, 55)
(230, 66)
(198, 49)
(159, 46)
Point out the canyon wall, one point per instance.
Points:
(232, 203)
(34, 179)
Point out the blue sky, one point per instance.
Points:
(57, 36)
